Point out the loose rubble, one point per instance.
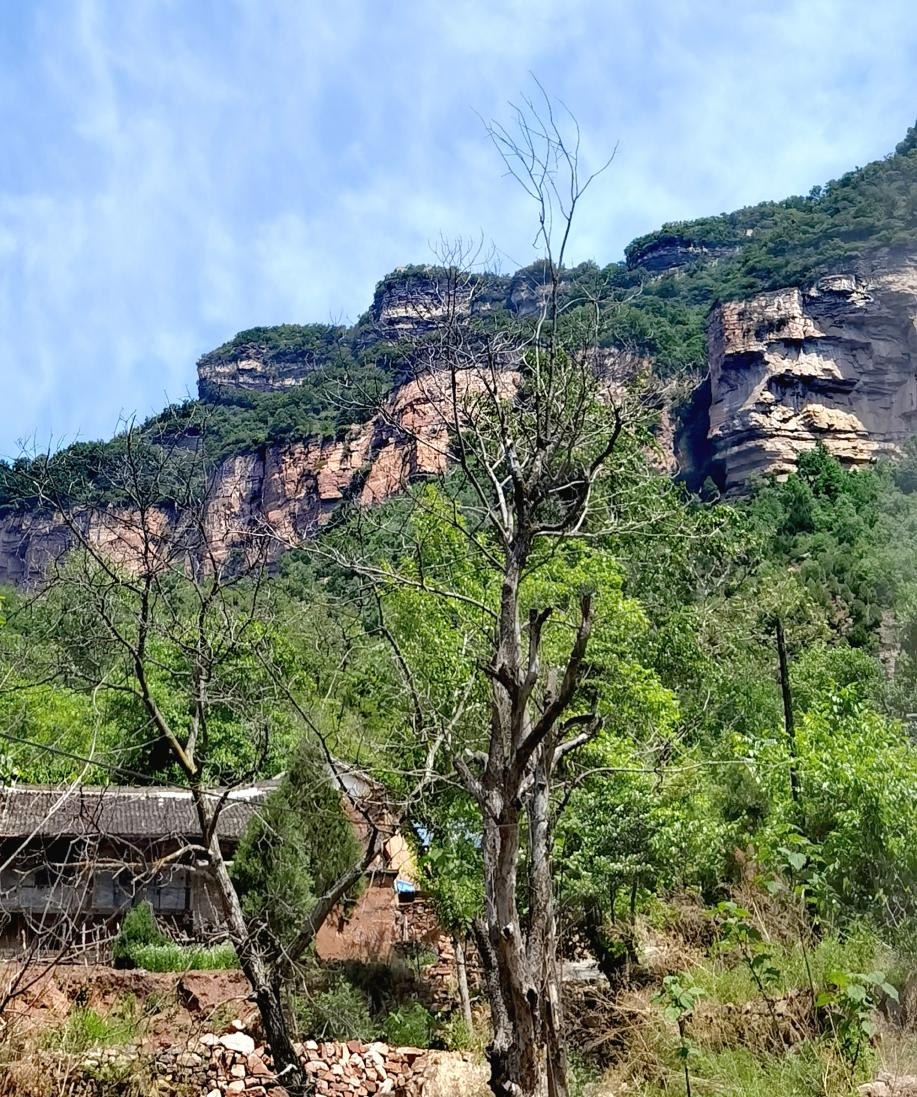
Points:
(890, 1085)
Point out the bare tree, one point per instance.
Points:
(157, 601)
(542, 420)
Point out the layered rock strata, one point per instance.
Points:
(252, 367)
(413, 301)
(834, 363)
(259, 361)
(286, 492)
(668, 253)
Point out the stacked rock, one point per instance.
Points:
(238, 1065)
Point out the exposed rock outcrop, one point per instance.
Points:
(252, 368)
(31, 542)
(667, 253)
(835, 363)
(414, 300)
(288, 491)
(270, 359)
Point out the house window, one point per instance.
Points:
(170, 894)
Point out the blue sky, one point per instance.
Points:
(172, 171)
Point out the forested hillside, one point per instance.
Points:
(615, 721)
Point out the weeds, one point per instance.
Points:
(409, 1024)
(174, 957)
(85, 1028)
(678, 998)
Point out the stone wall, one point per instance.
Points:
(236, 1063)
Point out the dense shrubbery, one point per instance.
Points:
(306, 344)
(779, 239)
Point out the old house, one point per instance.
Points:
(73, 859)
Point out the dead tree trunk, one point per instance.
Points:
(461, 978)
(514, 791)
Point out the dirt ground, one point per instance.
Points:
(170, 1006)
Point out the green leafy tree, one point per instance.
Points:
(295, 849)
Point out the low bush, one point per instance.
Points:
(141, 943)
(455, 1035)
(409, 1025)
(139, 929)
(339, 1012)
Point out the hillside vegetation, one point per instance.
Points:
(691, 793)
(720, 811)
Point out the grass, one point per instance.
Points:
(170, 956)
(725, 978)
(85, 1028)
(730, 1035)
(813, 1069)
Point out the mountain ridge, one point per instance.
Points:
(737, 300)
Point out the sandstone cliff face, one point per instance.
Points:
(31, 543)
(286, 493)
(270, 359)
(834, 363)
(253, 369)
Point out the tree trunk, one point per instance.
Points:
(461, 977)
(287, 1065)
(256, 968)
(526, 1055)
(515, 1066)
(543, 931)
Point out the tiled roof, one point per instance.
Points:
(117, 811)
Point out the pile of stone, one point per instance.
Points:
(236, 1064)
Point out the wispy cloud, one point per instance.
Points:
(174, 172)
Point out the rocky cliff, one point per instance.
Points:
(289, 491)
(834, 362)
(270, 359)
(816, 343)
(667, 253)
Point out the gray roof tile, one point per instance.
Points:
(117, 811)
